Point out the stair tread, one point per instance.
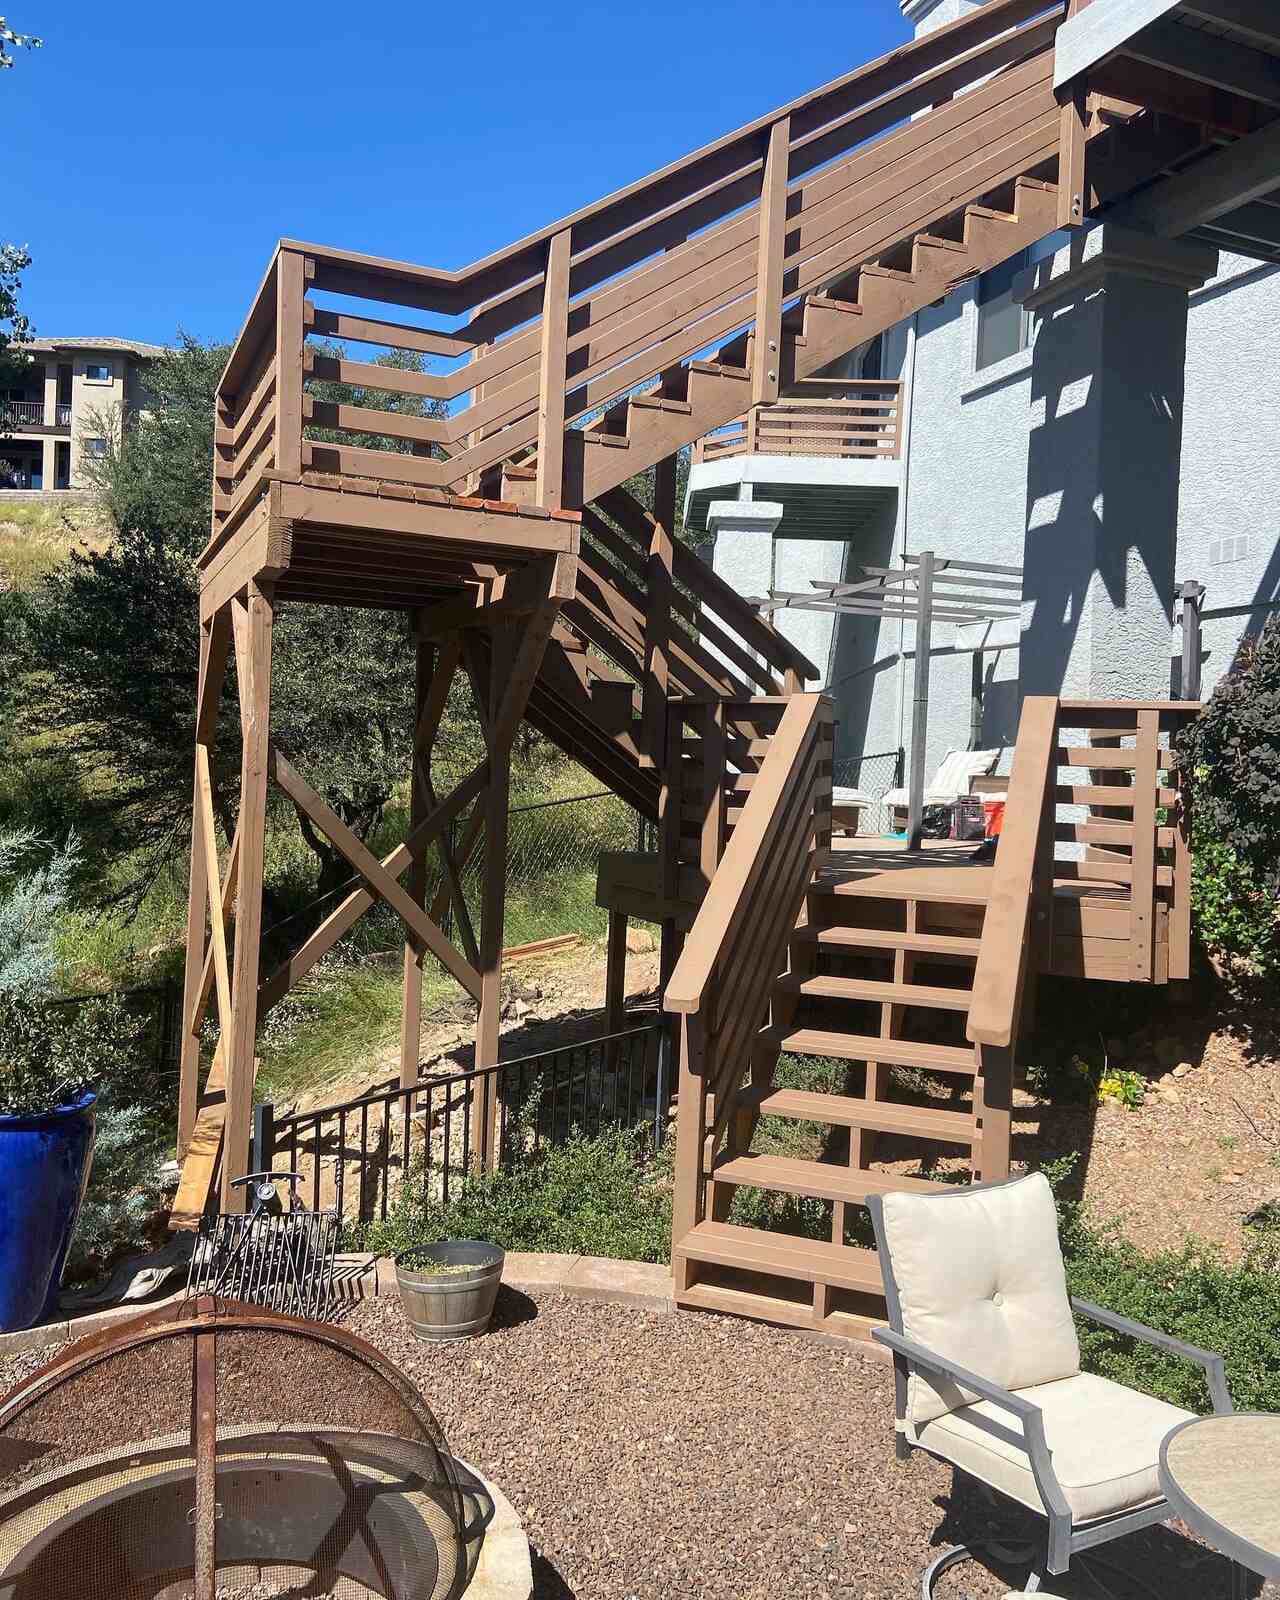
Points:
(783, 1255)
(865, 1047)
(936, 242)
(873, 269)
(618, 441)
(889, 939)
(914, 994)
(830, 303)
(657, 402)
(822, 1179)
(883, 1116)
(720, 369)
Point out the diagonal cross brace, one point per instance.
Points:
(382, 883)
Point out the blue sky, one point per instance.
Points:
(155, 155)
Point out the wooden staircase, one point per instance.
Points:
(902, 977)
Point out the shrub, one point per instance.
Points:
(604, 1196)
(1237, 920)
(124, 1192)
(51, 1053)
(1192, 1293)
(35, 894)
(1232, 752)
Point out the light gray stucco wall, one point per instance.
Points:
(1231, 449)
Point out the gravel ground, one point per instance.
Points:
(657, 1456)
(663, 1456)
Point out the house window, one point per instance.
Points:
(1004, 327)
(1002, 322)
(95, 447)
(97, 372)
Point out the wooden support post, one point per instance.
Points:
(215, 638)
(615, 983)
(549, 486)
(1142, 889)
(484, 1116)
(657, 619)
(688, 1189)
(291, 282)
(1072, 141)
(920, 705)
(254, 678)
(416, 879)
(771, 253)
(713, 770)
(993, 1106)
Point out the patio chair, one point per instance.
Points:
(951, 781)
(987, 1368)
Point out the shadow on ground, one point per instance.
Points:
(1160, 1563)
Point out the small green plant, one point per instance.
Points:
(1228, 1141)
(603, 1196)
(1070, 1079)
(1124, 1085)
(1213, 1173)
(1193, 1293)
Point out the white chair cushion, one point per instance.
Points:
(842, 796)
(952, 779)
(980, 1281)
(1104, 1440)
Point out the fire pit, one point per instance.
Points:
(213, 1449)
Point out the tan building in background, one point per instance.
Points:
(75, 394)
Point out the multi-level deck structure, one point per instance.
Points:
(591, 352)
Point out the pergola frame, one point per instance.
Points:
(919, 594)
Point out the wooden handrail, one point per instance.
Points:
(788, 765)
(633, 252)
(1002, 956)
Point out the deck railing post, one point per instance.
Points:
(291, 282)
(771, 253)
(549, 488)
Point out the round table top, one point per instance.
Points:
(1222, 1476)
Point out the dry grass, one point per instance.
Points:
(36, 538)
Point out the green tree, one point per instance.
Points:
(9, 41)
(114, 640)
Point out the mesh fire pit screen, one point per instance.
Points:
(217, 1450)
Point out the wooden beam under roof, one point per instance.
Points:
(1222, 182)
(1206, 58)
(1258, 20)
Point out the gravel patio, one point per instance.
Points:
(660, 1455)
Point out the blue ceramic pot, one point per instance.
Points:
(44, 1166)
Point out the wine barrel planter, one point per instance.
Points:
(448, 1290)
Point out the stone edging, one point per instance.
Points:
(629, 1283)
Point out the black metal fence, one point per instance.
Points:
(364, 1157)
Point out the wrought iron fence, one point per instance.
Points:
(363, 1157)
(874, 775)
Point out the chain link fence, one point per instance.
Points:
(873, 775)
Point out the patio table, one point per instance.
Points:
(1221, 1475)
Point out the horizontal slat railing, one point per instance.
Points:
(641, 282)
(861, 420)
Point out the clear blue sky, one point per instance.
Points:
(156, 149)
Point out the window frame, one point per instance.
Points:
(105, 367)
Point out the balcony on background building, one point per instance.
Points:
(828, 452)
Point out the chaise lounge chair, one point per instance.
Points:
(951, 781)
